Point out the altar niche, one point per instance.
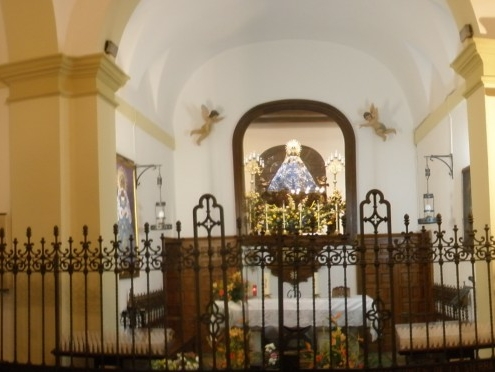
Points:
(315, 124)
(289, 191)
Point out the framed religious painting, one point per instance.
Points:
(126, 217)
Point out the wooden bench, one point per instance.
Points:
(145, 310)
(450, 333)
(143, 335)
(451, 339)
(451, 303)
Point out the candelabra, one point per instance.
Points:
(253, 164)
(335, 164)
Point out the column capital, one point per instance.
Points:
(476, 64)
(63, 75)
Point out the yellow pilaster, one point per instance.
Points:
(62, 162)
(62, 142)
(476, 64)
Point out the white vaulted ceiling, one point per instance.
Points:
(166, 41)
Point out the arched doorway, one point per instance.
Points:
(328, 113)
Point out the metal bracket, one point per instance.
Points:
(448, 160)
(145, 168)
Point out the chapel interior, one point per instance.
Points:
(283, 122)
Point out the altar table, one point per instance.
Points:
(350, 308)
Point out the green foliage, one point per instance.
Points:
(302, 213)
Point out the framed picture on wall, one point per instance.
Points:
(126, 216)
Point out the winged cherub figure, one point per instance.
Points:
(210, 118)
(371, 117)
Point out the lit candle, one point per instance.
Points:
(255, 290)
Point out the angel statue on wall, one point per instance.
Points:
(371, 117)
(210, 118)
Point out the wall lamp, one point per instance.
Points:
(160, 204)
(428, 198)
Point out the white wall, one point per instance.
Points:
(450, 135)
(136, 145)
(447, 190)
(253, 275)
(242, 78)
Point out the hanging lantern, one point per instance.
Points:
(428, 201)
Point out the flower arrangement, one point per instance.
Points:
(340, 351)
(294, 212)
(235, 288)
(306, 357)
(183, 362)
(271, 355)
(238, 339)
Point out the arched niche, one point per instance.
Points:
(291, 105)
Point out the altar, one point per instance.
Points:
(346, 311)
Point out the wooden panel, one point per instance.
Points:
(405, 285)
(181, 282)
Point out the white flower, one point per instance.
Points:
(270, 347)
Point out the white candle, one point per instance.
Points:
(250, 219)
(283, 214)
(266, 283)
(266, 217)
(318, 214)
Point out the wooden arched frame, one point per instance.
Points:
(306, 105)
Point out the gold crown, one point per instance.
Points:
(293, 148)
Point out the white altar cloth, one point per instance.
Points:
(341, 308)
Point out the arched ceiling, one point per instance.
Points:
(165, 41)
(416, 40)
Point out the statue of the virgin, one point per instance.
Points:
(293, 175)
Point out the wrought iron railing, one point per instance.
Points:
(257, 302)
